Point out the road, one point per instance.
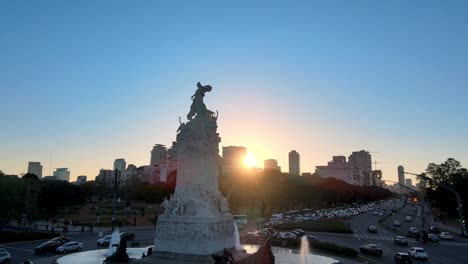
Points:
(445, 252)
(25, 250)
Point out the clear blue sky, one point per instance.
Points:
(90, 81)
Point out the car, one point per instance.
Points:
(296, 233)
(372, 229)
(69, 247)
(61, 239)
(413, 231)
(418, 253)
(434, 230)
(104, 241)
(127, 235)
(371, 249)
(5, 257)
(401, 241)
(396, 223)
(432, 238)
(408, 218)
(381, 214)
(403, 258)
(375, 213)
(301, 232)
(284, 234)
(49, 246)
(446, 236)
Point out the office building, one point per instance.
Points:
(158, 155)
(409, 182)
(271, 165)
(294, 163)
(81, 179)
(35, 168)
(401, 175)
(62, 174)
(338, 168)
(106, 178)
(361, 162)
(119, 166)
(377, 177)
(233, 160)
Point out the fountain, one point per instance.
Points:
(305, 249)
(237, 243)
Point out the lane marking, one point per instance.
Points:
(14, 248)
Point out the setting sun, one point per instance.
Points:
(250, 160)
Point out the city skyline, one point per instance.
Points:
(324, 80)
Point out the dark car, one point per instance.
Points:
(372, 229)
(434, 230)
(301, 232)
(49, 246)
(403, 258)
(61, 239)
(432, 238)
(401, 241)
(127, 235)
(371, 249)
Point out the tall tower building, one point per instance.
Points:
(62, 174)
(119, 166)
(35, 168)
(401, 175)
(158, 155)
(362, 167)
(294, 163)
(233, 160)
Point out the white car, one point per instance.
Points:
(69, 247)
(396, 223)
(446, 236)
(408, 218)
(286, 235)
(105, 241)
(418, 253)
(5, 257)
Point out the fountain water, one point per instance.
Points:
(305, 249)
(236, 237)
(114, 243)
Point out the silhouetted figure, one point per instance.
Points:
(120, 256)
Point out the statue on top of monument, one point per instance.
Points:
(198, 107)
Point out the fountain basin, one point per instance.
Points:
(97, 256)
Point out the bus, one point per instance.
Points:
(240, 219)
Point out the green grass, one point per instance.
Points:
(8, 236)
(325, 225)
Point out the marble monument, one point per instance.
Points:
(196, 219)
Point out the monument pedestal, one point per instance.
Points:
(194, 236)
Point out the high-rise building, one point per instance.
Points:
(158, 155)
(119, 166)
(377, 176)
(81, 179)
(294, 163)
(362, 167)
(409, 182)
(130, 172)
(62, 174)
(271, 164)
(233, 160)
(106, 178)
(401, 175)
(35, 168)
(338, 168)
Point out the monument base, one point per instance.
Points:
(194, 235)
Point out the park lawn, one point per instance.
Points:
(324, 225)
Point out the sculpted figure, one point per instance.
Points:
(198, 107)
(165, 205)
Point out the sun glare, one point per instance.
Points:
(250, 160)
